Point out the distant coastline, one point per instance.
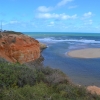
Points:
(62, 33)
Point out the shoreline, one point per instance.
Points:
(85, 53)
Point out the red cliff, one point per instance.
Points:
(19, 48)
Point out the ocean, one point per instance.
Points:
(79, 70)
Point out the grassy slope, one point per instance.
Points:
(19, 82)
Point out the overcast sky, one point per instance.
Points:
(50, 15)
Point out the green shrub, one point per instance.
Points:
(47, 70)
(61, 87)
(12, 75)
(37, 92)
(42, 91)
(12, 32)
(19, 82)
(56, 77)
(6, 76)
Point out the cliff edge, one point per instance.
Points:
(18, 47)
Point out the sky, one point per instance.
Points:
(50, 15)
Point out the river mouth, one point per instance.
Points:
(79, 70)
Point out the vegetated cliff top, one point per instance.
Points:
(12, 32)
(9, 32)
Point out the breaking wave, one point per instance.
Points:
(54, 40)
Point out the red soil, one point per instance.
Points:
(19, 48)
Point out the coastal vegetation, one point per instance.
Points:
(21, 82)
(11, 32)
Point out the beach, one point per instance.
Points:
(85, 53)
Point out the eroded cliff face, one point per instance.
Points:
(19, 48)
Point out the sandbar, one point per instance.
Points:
(85, 53)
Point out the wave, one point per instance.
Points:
(54, 40)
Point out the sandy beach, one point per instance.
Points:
(85, 53)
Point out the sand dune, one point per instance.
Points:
(85, 53)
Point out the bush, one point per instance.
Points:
(19, 82)
(56, 77)
(12, 32)
(6, 76)
(37, 92)
(42, 91)
(12, 75)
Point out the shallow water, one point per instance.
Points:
(80, 71)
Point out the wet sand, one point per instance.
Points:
(85, 53)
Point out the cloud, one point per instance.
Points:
(71, 7)
(14, 22)
(10, 22)
(63, 2)
(88, 22)
(4, 23)
(44, 9)
(59, 4)
(56, 16)
(97, 27)
(87, 15)
(51, 24)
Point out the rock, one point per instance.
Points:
(19, 48)
(94, 89)
(42, 46)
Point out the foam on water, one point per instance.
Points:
(54, 40)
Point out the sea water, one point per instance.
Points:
(80, 71)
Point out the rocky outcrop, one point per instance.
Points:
(19, 48)
(94, 89)
(42, 46)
